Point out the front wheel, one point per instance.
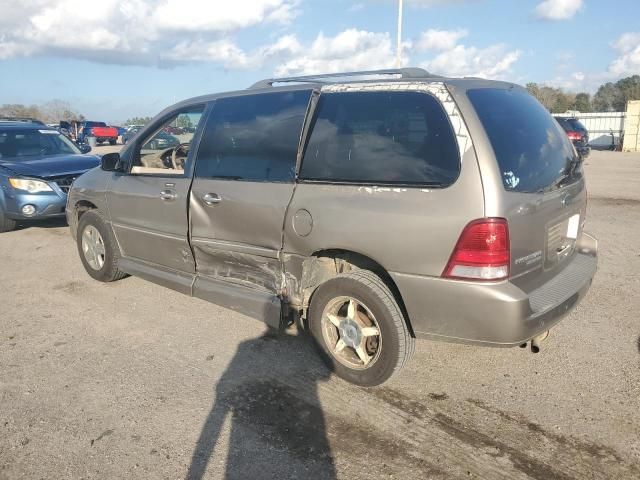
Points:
(359, 328)
(97, 248)
(113, 141)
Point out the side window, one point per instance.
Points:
(165, 151)
(381, 138)
(253, 137)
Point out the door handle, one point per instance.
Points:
(211, 198)
(168, 195)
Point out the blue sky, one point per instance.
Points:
(135, 57)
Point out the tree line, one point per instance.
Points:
(610, 97)
(50, 112)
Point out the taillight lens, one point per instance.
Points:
(574, 135)
(482, 252)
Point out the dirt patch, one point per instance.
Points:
(71, 287)
(591, 449)
(610, 201)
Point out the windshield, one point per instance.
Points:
(532, 150)
(16, 144)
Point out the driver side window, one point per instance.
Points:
(165, 151)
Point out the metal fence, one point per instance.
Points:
(605, 128)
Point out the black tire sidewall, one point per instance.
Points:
(108, 271)
(386, 364)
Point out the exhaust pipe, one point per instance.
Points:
(535, 341)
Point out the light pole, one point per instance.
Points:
(399, 43)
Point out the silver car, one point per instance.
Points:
(374, 207)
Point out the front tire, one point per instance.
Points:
(98, 249)
(359, 328)
(6, 224)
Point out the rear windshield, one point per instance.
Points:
(381, 138)
(575, 124)
(532, 150)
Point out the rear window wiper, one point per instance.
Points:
(568, 173)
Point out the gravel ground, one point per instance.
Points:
(130, 380)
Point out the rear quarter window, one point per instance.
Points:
(381, 138)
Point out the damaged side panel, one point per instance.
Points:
(249, 270)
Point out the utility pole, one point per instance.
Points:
(399, 44)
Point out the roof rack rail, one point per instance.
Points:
(21, 119)
(403, 72)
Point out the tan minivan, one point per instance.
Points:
(378, 207)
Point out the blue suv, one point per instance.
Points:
(37, 167)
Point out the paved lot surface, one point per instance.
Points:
(130, 380)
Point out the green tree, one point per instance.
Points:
(629, 89)
(582, 103)
(183, 121)
(19, 110)
(606, 98)
(138, 121)
(554, 99)
(56, 110)
(614, 96)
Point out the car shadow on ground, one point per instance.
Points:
(267, 427)
(49, 223)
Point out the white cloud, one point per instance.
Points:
(491, 62)
(133, 31)
(558, 9)
(223, 51)
(433, 39)
(433, 3)
(628, 63)
(229, 55)
(211, 16)
(349, 50)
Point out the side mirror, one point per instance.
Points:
(110, 162)
(84, 147)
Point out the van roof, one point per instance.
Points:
(369, 76)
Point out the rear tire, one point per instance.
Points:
(6, 224)
(113, 142)
(375, 310)
(97, 248)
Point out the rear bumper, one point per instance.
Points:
(498, 314)
(583, 151)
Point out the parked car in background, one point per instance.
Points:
(577, 133)
(99, 130)
(37, 167)
(21, 119)
(121, 130)
(161, 141)
(375, 212)
(131, 132)
(174, 130)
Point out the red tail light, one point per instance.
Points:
(574, 135)
(482, 252)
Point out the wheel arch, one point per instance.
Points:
(82, 206)
(79, 208)
(325, 264)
